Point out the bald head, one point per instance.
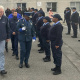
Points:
(1, 10)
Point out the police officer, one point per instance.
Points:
(74, 20)
(44, 30)
(25, 32)
(55, 36)
(68, 17)
(38, 26)
(34, 19)
(4, 35)
(14, 34)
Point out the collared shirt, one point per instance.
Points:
(40, 18)
(67, 11)
(74, 12)
(56, 23)
(45, 23)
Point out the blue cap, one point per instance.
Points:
(57, 16)
(32, 8)
(35, 9)
(29, 14)
(47, 18)
(41, 12)
(74, 8)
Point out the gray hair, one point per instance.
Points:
(1, 7)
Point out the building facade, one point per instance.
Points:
(58, 6)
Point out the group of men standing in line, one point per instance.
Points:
(72, 20)
(25, 31)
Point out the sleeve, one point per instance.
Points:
(77, 17)
(59, 30)
(8, 29)
(18, 26)
(33, 32)
(10, 26)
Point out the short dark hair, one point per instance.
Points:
(14, 11)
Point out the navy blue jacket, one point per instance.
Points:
(13, 24)
(55, 33)
(4, 28)
(39, 23)
(68, 16)
(29, 33)
(44, 30)
(74, 17)
(34, 19)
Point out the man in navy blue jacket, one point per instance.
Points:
(68, 20)
(74, 20)
(55, 36)
(44, 31)
(14, 34)
(38, 26)
(4, 35)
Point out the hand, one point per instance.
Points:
(47, 40)
(34, 39)
(7, 40)
(14, 33)
(57, 47)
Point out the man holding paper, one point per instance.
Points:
(25, 33)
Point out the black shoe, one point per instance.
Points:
(20, 65)
(44, 58)
(17, 58)
(13, 54)
(74, 36)
(53, 69)
(57, 72)
(41, 51)
(3, 72)
(47, 60)
(79, 40)
(67, 33)
(27, 65)
(39, 45)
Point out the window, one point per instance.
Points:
(52, 5)
(21, 5)
(75, 4)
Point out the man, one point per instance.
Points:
(8, 12)
(14, 34)
(44, 31)
(68, 17)
(55, 37)
(19, 10)
(4, 35)
(74, 20)
(26, 33)
(18, 15)
(38, 26)
(34, 19)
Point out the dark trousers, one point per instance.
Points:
(74, 29)
(14, 40)
(6, 45)
(25, 48)
(46, 47)
(57, 53)
(40, 39)
(69, 26)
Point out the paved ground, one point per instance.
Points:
(40, 70)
